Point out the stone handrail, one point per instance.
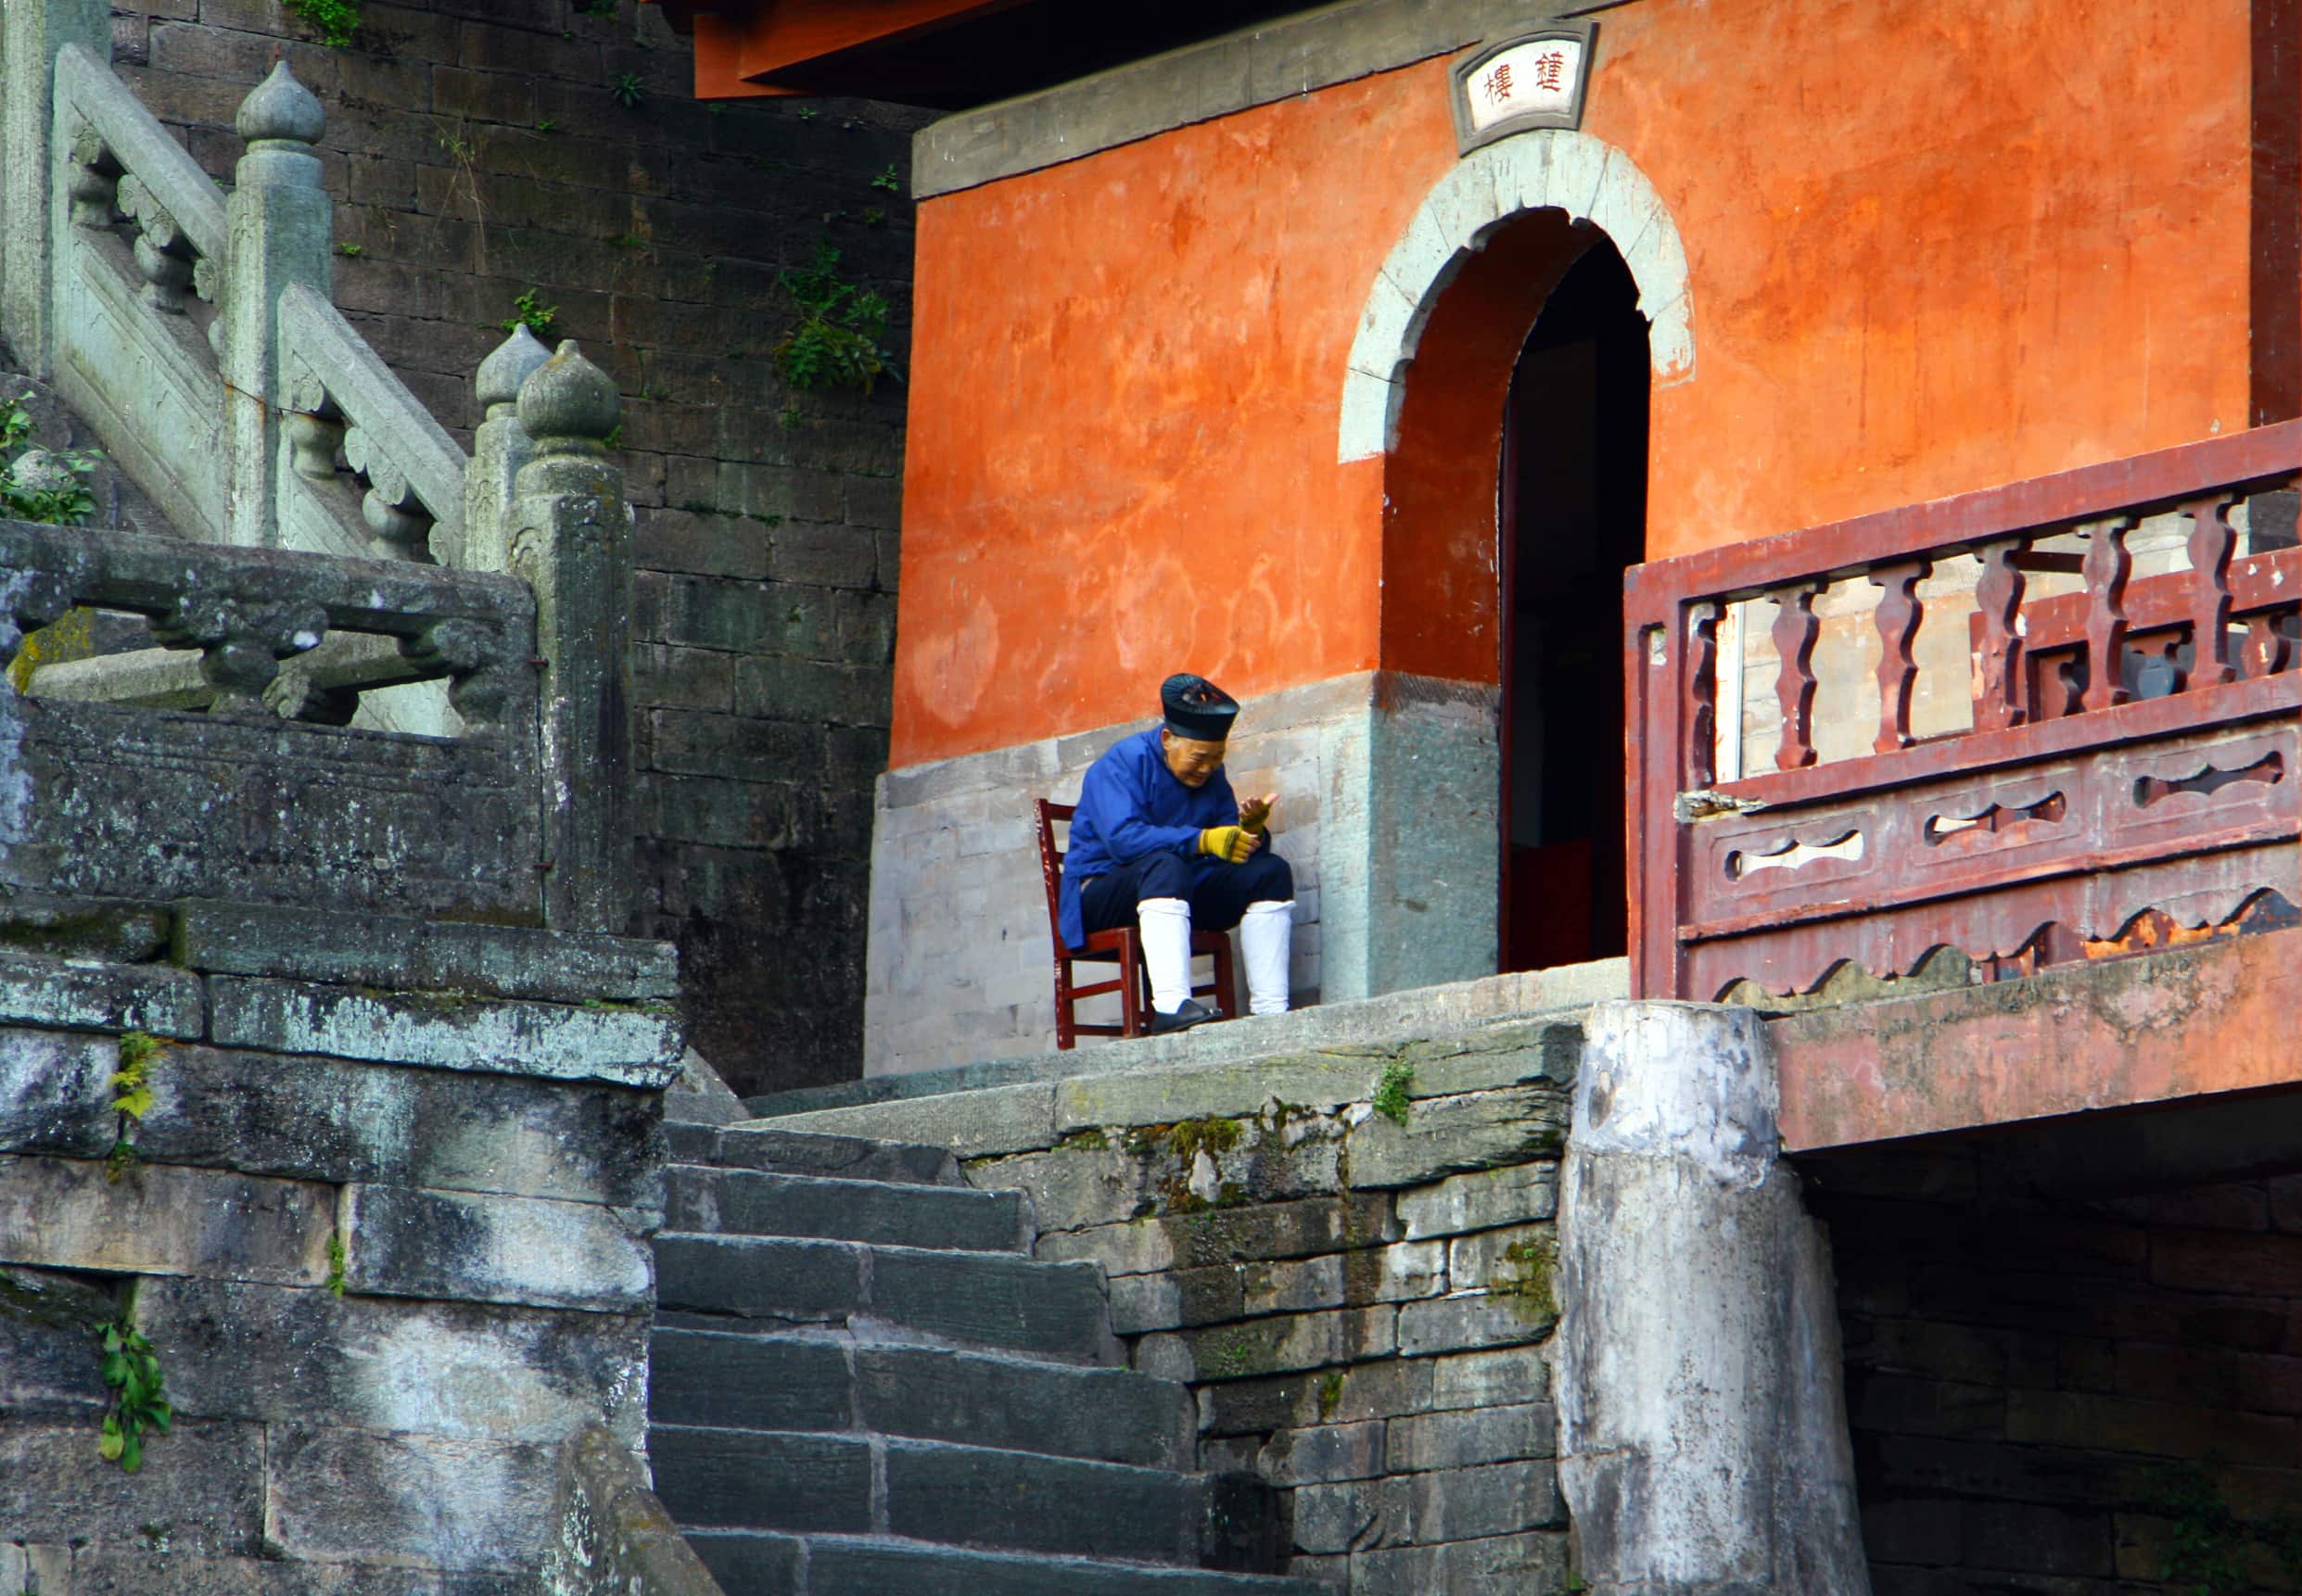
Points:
(249, 609)
(124, 150)
(340, 394)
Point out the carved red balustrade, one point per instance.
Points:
(2084, 812)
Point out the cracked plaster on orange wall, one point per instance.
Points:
(2019, 249)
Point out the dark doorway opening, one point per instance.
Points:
(1573, 513)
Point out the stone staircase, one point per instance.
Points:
(57, 431)
(865, 1386)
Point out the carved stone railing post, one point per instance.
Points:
(571, 541)
(32, 32)
(500, 448)
(279, 222)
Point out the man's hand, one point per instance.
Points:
(1230, 843)
(1254, 814)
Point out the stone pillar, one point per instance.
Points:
(500, 448)
(32, 32)
(1703, 1444)
(571, 539)
(279, 230)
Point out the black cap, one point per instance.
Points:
(1196, 708)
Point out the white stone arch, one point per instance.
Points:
(1543, 169)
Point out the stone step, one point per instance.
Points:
(935, 1492)
(750, 1202)
(751, 1563)
(803, 1153)
(975, 1299)
(813, 1381)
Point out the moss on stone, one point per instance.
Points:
(1523, 1281)
(1087, 1141)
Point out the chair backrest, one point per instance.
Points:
(1052, 864)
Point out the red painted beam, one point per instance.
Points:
(741, 46)
(2193, 1022)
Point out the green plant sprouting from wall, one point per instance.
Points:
(139, 1397)
(332, 22)
(530, 313)
(2205, 1542)
(835, 343)
(57, 502)
(627, 91)
(337, 1260)
(1391, 1099)
(132, 1098)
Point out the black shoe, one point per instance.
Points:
(1193, 1012)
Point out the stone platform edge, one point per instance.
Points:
(1370, 1027)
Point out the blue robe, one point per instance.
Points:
(1131, 806)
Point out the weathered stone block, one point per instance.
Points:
(1323, 1453)
(1301, 1229)
(1443, 1136)
(160, 1218)
(1492, 1566)
(1490, 1379)
(49, 1356)
(1197, 1092)
(1476, 1319)
(394, 951)
(54, 1093)
(37, 991)
(629, 1046)
(264, 1353)
(1344, 1395)
(1482, 1200)
(1483, 1436)
(1515, 1260)
(467, 1249)
(1423, 1509)
(206, 1481)
(971, 1124)
(432, 1500)
(1073, 1187)
(330, 1119)
(1269, 1345)
(1510, 1054)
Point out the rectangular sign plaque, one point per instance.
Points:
(1529, 81)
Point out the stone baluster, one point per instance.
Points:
(279, 224)
(241, 643)
(500, 448)
(1795, 629)
(571, 541)
(31, 198)
(93, 186)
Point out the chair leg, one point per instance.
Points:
(1066, 1009)
(1132, 1019)
(1225, 986)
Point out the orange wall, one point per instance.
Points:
(1933, 244)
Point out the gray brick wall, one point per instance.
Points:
(475, 151)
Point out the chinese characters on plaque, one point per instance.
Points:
(1534, 82)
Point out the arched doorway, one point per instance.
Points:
(1414, 893)
(1572, 517)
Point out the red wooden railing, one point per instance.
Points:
(2084, 812)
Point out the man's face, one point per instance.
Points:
(1192, 760)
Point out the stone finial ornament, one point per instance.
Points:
(512, 363)
(281, 110)
(568, 405)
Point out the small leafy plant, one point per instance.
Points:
(836, 342)
(628, 91)
(139, 1400)
(890, 180)
(332, 22)
(335, 1262)
(1391, 1099)
(529, 312)
(352, 250)
(132, 1098)
(60, 503)
(547, 125)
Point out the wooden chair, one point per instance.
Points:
(1121, 946)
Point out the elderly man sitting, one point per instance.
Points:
(1158, 838)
